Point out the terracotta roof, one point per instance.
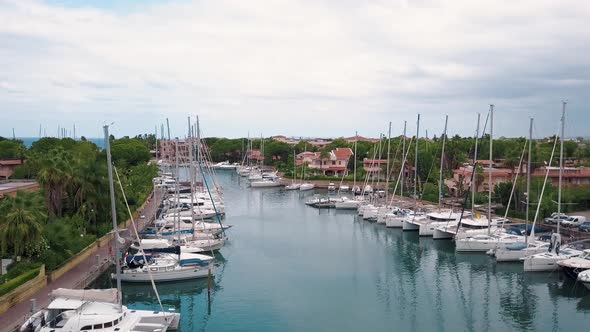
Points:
(10, 162)
(342, 153)
(496, 172)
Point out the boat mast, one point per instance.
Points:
(442, 158)
(176, 191)
(401, 190)
(387, 171)
(155, 198)
(528, 180)
(560, 163)
(473, 170)
(490, 169)
(416, 161)
(113, 215)
(356, 135)
(192, 173)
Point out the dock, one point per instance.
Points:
(80, 276)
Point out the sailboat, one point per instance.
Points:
(305, 186)
(547, 261)
(294, 185)
(80, 310)
(263, 180)
(408, 222)
(395, 218)
(439, 217)
(345, 203)
(485, 242)
(530, 246)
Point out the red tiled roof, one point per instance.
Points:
(342, 153)
(10, 162)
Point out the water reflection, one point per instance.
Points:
(291, 267)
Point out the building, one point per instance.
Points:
(358, 138)
(255, 155)
(375, 167)
(319, 142)
(572, 176)
(335, 164)
(285, 139)
(7, 167)
(167, 150)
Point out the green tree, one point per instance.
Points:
(21, 221)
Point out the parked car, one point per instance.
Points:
(555, 217)
(573, 221)
(585, 227)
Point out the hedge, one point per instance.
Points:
(15, 282)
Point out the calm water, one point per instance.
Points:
(294, 268)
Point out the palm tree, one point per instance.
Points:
(54, 175)
(21, 221)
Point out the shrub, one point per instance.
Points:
(18, 273)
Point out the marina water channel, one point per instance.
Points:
(290, 267)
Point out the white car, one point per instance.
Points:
(573, 221)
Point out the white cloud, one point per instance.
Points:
(293, 67)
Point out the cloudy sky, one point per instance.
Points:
(301, 68)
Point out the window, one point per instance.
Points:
(109, 324)
(97, 326)
(86, 328)
(333, 162)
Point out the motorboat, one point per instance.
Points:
(331, 186)
(96, 309)
(344, 188)
(574, 265)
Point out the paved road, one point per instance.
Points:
(15, 316)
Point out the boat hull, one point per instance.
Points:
(394, 221)
(410, 226)
(166, 276)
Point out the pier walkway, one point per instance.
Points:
(78, 277)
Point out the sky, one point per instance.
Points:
(316, 68)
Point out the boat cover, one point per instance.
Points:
(99, 295)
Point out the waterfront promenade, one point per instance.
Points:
(79, 275)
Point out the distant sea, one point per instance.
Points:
(29, 141)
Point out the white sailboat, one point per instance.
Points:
(80, 310)
(168, 267)
(547, 261)
(408, 222)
